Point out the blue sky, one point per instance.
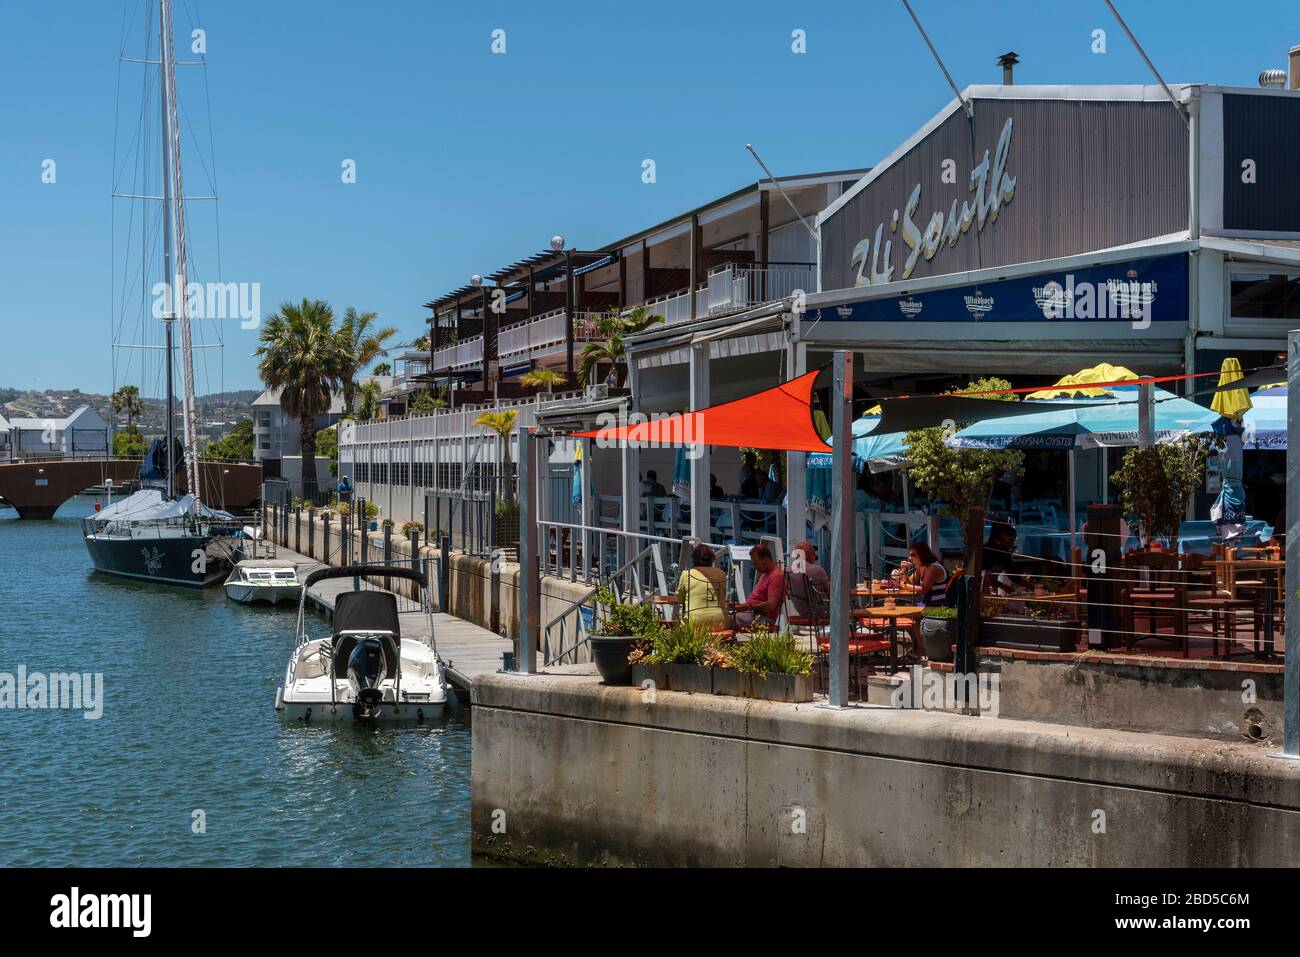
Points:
(467, 160)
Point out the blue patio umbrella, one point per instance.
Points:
(576, 491)
(869, 451)
(1110, 420)
(1264, 426)
(1106, 422)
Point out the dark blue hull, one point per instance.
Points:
(195, 561)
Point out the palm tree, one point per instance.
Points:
(369, 392)
(382, 368)
(502, 423)
(612, 350)
(421, 344)
(359, 347)
(302, 356)
(127, 400)
(546, 379)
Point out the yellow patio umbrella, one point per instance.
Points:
(1077, 384)
(1234, 403)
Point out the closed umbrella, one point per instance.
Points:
(1232, 404)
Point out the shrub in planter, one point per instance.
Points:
(618, 632)
(1045, 626)
(779, 668)
(936, 632)
(409, 528)
(683, 649)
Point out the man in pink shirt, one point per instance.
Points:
(764, 603)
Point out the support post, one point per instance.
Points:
(1291, 676)
(796, 478)
(841, 570)
(530, 583)
(701, 460)
(1146, 416)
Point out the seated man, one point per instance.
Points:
(999, 559)
(763, 607)
(650, 485)
(808, 585)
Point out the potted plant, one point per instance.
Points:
(1043, 625)
(411, 528)
(682, 647)
(937, 622)
(644, 668)
(780, 669)
(720, 658)
(621, 626)
(1156, 484)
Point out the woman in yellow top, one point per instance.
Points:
(702, 590)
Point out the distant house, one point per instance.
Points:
(82, 433)
(277, 436)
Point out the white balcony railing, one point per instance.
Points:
(520, 343)
(733, 288)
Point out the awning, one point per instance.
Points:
(779, 418)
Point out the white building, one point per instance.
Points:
(277, 435)
(82, 433)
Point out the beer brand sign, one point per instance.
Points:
(872, 260)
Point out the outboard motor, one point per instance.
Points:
(367, 666)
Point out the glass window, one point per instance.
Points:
(1271, 295)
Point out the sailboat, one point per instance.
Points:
(155, 534)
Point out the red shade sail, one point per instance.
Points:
(779, 418)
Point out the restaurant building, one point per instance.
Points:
(1030, 232)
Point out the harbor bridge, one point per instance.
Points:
(37, 487)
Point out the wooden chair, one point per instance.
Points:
(1156, 583)
(1212, 597)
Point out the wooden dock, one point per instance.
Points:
(467, 649)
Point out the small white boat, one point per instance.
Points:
(364, 670)
(263, 580)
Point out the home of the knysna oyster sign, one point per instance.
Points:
(873, 258)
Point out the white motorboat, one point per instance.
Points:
(364, 670)
(254, 580)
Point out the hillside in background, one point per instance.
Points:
(216, 412)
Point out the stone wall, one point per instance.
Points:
(578, 773)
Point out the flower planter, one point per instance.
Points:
(1033, 634)
(782, 687)
(657, 675)
(936, 635)
(736, 684)
(693, 679)
(609, 652)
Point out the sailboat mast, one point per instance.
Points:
(169, 318)
(176, 212)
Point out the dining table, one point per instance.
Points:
(892, 613)
(1268, 569)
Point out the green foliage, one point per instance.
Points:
(939, 611)
(772, 654)
(126, 401)
(369, 408)
(1156, 484)
(236, 444)
(546, 379)
(128, 443)
(302, 355)
(327, 446)
(383, 368)
(426, 401)
(409, 528)
(612, 327)
(960, 478)
(359, 346)
(639, 621)
(680, 644)
(507, 508)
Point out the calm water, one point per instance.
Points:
(189, 723)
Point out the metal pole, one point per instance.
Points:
(1073, 519)
(1146, 416)
(841, 571)
(1291, 677)
(701, 460)
(530, 590)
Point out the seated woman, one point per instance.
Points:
(924, 570)
(701, 590)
